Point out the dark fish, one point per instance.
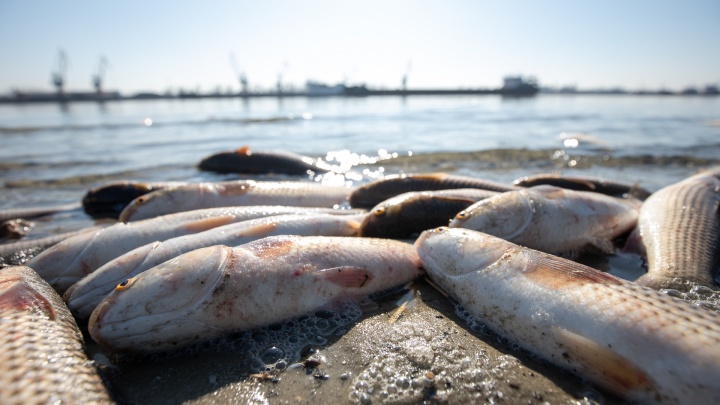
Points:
(42, 359)
(372, 194)
(245, 161)
(109, 200)
(680, 228)
(411, 213)
(609, 187)
(14, 228)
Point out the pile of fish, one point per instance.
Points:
(193, 262)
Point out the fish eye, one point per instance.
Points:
(125, 284)
(140, 200)
(441, 229)
(379, 211)
(462, 215)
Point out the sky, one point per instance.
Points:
(160, 46)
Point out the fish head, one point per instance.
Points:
(152, 203)
(382, 219)
(86, 294)
(458, 251)
(62, 264)
(505, 215)
(154, 309)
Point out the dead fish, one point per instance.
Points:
(613, 188)
(246, 161)
(42, 360)
(680, 229)
(109, 199)
(234, 193)
(552, 219)
(411, 213)
(34, 212)
(213, 291)
(642, 345)
(39, 244)
(86, 294)
(372, 194)
(65, 263)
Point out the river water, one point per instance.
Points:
(53, 154)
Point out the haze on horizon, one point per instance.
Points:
(168, 45)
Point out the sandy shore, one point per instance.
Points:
(427, 355)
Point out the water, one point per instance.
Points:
(53, 154)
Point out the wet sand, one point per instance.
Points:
(427, 355)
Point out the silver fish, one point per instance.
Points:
(680, 229)
(212, 291)
(86, 294)
(639, 343)
(552, 219)
(42, 359)
(234, 193)
(72, 259)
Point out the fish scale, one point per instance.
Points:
(680, 229)
(42, 359)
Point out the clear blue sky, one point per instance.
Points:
(159, 45)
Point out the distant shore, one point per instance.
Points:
(353, 91)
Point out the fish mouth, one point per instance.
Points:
(156, 306)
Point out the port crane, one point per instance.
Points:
(239, 74)
(405, 76)
(97, 79)
(58, 76)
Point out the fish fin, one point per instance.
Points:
(456, 199)
(582, 182)
(347, 276)
(23, 297)
(259, 231)
(238, 188)
(601, 364)
(208, 223)
(556, 273)
(244, 150)
(603, 246)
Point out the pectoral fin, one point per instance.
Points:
(208, 223)
(601, 364)
(347, 276)
(258, 231)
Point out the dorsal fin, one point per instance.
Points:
(601, 364)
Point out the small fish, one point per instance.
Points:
(410, 213)
(246, 161)
(108, 200)
(680, 228)
(86, 294)
(34, 212)
(372, 194)
(613, 188)
(42, 360)
(642, 345)
(234, 193)
(552, 219)
(213, 291)
(65, 263)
